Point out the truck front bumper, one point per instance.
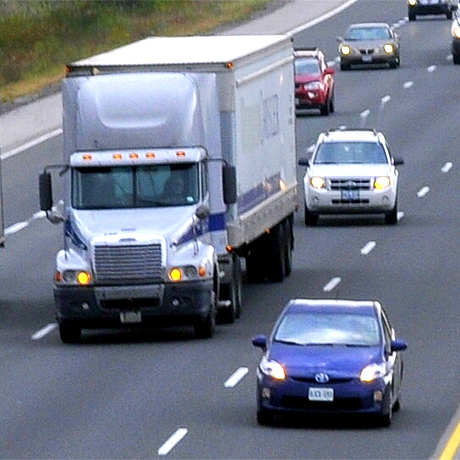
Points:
(147, 305)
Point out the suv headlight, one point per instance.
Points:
(456, 32)
(382, 182)
(317, 182)
(272, 369)
(412, 2)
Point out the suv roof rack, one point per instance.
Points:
(351, 129)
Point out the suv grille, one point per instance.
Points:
(130, 263)
(350, 184)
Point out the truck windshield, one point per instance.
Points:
(146, 186)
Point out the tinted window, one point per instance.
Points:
(306, 66)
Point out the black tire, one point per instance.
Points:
(456, 59)
(311, 219)
(331, 105)
(412, 17)
(289, 238)
(394, 64)
(449, 15)
(325, 109)
(205, 328)
(276, 251)
(232, 292)
(391, 218)
(69, 333)
(397, 406)
(264, 417)
(344, 66)
(255, 265)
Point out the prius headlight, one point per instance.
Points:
(382, 182)
(272, 369)
(372, 372)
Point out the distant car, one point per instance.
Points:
(332, 357)
(314, 81)
(351, 171)
(369, 44)
(455, 32)
(425, 7)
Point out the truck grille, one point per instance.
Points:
(350, 184)
(129, 263)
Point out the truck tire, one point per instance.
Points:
(276, 251)
(288, 231)
(232, 292)
(205, 328)
(69, 333)
(255, 261)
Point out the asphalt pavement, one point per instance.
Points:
(34, 122)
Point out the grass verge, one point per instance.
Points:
(37, 38)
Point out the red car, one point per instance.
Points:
(314, 81)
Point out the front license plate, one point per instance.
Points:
(350, 195)
(321, 394)
(130, 317)
(367, 58)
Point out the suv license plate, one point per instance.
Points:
(130, 317)
(321, 394)
(350, 195)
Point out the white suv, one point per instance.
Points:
(351, 171)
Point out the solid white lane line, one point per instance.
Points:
(446, 168)
(15, 228)
(236, 377)
(31, 144)
(367, 248)
(172, 441)
(423, 191)
(44, 331)
(332, 284)
(408, 84)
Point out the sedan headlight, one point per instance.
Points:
(272, 369)
(412, 2)
(317, 182)
(313, 85)
(345, 50)
(388, 48)
(456, 32)
(372, 372)
(382, 182)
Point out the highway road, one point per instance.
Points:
(162, 393)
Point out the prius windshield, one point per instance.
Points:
(312, 328)
(146, 186)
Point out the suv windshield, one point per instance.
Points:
(350, 153)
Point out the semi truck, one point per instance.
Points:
(179, 170)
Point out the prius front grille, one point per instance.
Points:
(128, 263)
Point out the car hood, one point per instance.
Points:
(335, 360)
(368, 43)
(307, 78)
(347, 170)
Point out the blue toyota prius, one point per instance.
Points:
(330, 356)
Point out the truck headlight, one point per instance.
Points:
(388, 48)
(272, 369)
(372, 372)
(382, 182)
(317, 182)
(188, 272)
(77, 277)
(345, 50)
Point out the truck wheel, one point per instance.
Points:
(289, 245)
(276, 249)
(255, 261)
(69, 333)
(232, 292)
(205, 328)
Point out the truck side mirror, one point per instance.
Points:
(229, 183)
(46, 191)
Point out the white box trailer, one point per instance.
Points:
(217, 110)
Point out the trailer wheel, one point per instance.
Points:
(288, 231)
(205, 328)
(69, 333)
(255, 263)
(276, 251)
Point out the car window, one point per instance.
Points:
(306, 66)
(368, 33)
(350, 153)
(307, 328)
